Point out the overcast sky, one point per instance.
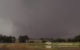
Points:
(40, 18)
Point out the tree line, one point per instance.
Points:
(12, 39)
(25, 38)
(75, 39)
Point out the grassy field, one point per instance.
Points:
(39, 46)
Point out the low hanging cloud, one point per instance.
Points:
(40, 18)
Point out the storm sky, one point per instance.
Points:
(40, 18)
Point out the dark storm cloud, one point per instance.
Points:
(43, 18)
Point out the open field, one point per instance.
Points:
(39, 46)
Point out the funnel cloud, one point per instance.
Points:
(40, 18)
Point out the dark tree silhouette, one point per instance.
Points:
(59, 40)
(7, 39)
(77, 38)
(70, 40)
(23, 39)
(1, 38)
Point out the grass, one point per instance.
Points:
(38, 46)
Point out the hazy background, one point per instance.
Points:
(40, 18)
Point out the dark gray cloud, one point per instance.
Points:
(41, 18)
